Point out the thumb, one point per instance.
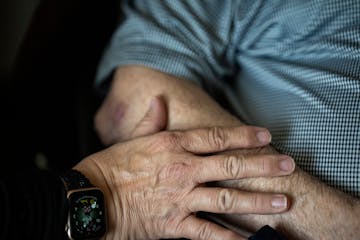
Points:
(154, 120)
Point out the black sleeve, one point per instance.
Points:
(32, 205)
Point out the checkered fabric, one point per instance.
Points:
(290, 66)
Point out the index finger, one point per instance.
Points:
(218, 139)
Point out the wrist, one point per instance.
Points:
(86, 208)
(117, 222)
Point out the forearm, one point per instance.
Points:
(318, 211)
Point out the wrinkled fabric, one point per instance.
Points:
(290, 66)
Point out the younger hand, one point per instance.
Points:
(154, 185)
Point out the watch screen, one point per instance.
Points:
(87, 214)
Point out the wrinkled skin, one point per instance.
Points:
(155, 185)
(189, 107)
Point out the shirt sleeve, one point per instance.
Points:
(188, 39)
(33, 206)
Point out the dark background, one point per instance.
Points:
(47, 94)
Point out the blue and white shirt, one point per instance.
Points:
(290, 66)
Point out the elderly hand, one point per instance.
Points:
(154, 185)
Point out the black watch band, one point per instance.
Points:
(73, 179)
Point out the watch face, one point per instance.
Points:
(87, 214)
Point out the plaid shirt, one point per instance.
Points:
(290, 66)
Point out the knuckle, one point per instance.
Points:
(263, 167)
(234, 166)
(176, 170)
(179, 229)
(256, 202)
(217, 138)
(225, 200)
(205, 231)
(166, 140)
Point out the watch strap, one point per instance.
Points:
(73, 179)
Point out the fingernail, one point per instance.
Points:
(286, 164)
(279, 201)
(264, 137)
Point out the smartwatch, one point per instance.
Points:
(86, 207)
